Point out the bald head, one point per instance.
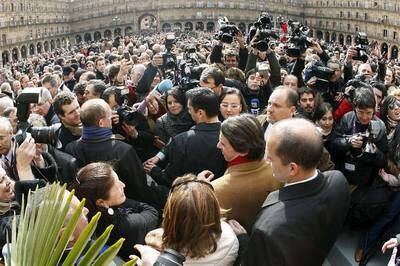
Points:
(93, 111)
(296, 141)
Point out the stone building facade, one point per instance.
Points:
(28, 27)
(341, 20)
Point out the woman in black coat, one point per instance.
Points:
(177, 119)
(104, 192)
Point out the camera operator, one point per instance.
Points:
(44, 164)
(299, 59)
(131, 124)
(270, 56)
(20, 169)
(372, 67)
(231, 58)
(360, 140)
(261, 79)
(337, 81)
(257, 89)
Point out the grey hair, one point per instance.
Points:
(6, 124)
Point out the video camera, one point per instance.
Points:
(261, 33)
(362, 45)
(124, 110)
(352, 85)
(322, 73)
(39, 134)
(169, 60)
(227, 31)
(299, 40)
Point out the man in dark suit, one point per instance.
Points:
(97, 144)
(196, 149)
(299, 223)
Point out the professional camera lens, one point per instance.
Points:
(226, 38)
(170, 258)
(262, 46)
(45, 134)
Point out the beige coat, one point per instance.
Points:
(243, 189)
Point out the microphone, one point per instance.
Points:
(161, 88)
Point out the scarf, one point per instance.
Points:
(75, 130)
(96, 133)
(179, 123)
(238, 160)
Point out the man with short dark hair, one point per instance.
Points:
(68, 77)
(100, 65)
(196, 149)
(213, 78)
(67, 108)
(306, 103)
(50, 83)
(231, 59)
(94, 89)
(98, 144)
(299, 223)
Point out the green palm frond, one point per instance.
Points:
(41, 234)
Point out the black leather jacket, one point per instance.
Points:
(359, 165)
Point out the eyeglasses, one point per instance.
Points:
(232, 105)
(394, 105)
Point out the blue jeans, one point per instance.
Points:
(377, 229)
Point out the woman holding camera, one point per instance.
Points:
(192, 226)
(104, 192)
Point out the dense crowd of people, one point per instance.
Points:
(224, 152)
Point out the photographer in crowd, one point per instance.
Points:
(154, 104)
